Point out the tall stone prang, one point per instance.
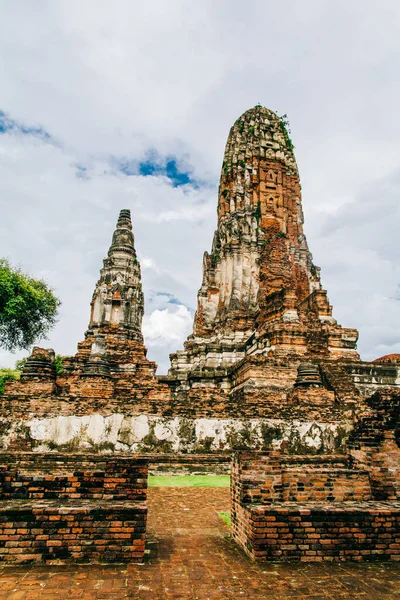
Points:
(118, 297)
(114, 341)
(261, 292)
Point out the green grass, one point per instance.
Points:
(226, 517)
(220, 481)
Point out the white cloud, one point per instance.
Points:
(167, 326)
(119, 81)
(59, 226)
(165, 330)
(148, 263)
(189, 214)
(358, 242)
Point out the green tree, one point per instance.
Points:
(28, 308)
(19, 364)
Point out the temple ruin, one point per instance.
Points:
(267, 372)
(266, 363)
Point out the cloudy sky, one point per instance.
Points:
(127, 104)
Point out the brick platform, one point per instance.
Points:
(190, 556)
(345, 531)
(87, 531)
(80, 508)
(310, 508)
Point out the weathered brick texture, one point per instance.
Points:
(375, 444)
(82, 508)
(70, 531)
(311, 508)
(345, 531)
(47, 476)
(274, 477)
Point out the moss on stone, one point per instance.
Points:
(204, 445)
(270, 434)
(151, 443)
(187, 432)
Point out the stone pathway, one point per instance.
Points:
(192, 557)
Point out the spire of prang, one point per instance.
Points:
(123, 240)
(118, 297)
(261, 292)
(259, 214)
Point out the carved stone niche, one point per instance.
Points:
(271, 178)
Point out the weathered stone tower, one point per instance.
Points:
(118, 297)
(114, 337)
(110, 371)
(261, 292)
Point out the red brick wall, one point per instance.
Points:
(77, 507)
(280, 510)
(88, 531)
(274, 477)
(35, 476)
(218, 393)
(302, 484)
(375, 444)
(347, 531)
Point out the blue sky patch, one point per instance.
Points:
(169, 169)
(152, 165)
(8, 124)
(171, 298)
(156, 165)
(162, 300)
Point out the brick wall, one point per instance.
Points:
(75, 476)
(345, 531)
(375, 444)
(84, 531)
(310, 508)
(188, 464)
(274, 477)
(77, 507)
(253, 387)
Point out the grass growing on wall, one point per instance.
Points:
(225, 516)
(220, 481)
